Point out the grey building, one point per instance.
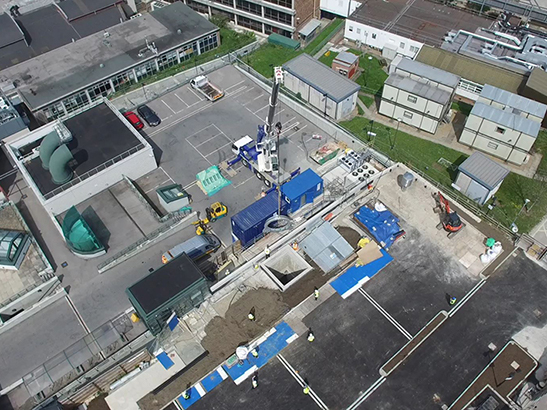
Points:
(76, 74)
(503, 124)
(479, 177)
(11, 121)
(321, 86)
(418, 94)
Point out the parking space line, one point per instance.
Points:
(235, 85)
(209, 139)
(166, 174)
(298, 130)
(218, 149)
(302, 383)
(174, 112)
(288, 127)
(192, 91)
(190, 185)
(247, 180)
(468, 296)
(192, 145)
(184, 102)
(254, 113)
(203, 129)
(178, 120)
(267, 105)
(254, 99)
(236, 91)
(367, 393)
(161, 183)
(380, 309)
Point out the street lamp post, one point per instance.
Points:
(396, 132)
(514, 227)
(325, 97)
(366, 70)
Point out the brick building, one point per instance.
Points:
(346, 64)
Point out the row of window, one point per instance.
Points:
(124, 80)
(471, 87)
(249, 7)
(402, 45)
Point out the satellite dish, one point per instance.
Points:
(514, 228)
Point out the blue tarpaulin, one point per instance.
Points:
(383, 225)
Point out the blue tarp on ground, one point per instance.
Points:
(382, 225)
(165, 360)
(266, 351)
(194, 396)
(211, 381)
(356, 276)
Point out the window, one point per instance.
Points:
(407, 114)
(249, 7)
(472, 87)
(492, 145)
(200, 8)
(373, 35)
(251, 24)
(284, 3)
(413, 49)
(402, 45)
(412, 99)
(268, 29)
(358, 30)
(208, 43)
(225, 2)
(500, 130)
(99, 90)
(350, 28)
(278, 16)
(218, 12)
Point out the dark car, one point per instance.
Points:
(149, 115)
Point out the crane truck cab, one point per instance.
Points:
(242, 142)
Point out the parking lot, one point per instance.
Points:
(196, 134)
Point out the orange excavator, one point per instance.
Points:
(450, 221)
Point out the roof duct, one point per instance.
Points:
(58, 165)
(49, 144)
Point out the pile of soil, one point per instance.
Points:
(350, 235)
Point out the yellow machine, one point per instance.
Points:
(215, 211)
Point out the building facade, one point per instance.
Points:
(285, 17)
(503, 124)
(341, 8)
(346, 64)
(418, 95)
(325, 89)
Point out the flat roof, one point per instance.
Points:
(537, 81)
(420, 88)
(471, 69)
(81, 8)
(99, 135)
(321, 77)
(53, 75)
(422, 21)
(165, 283)
(310, 27)
(517, 102)
(506, 118)
(483, 170)
(46, 29)
(9, 31)
(427, 71)
(345, 57)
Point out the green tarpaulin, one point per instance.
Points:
(212, 180)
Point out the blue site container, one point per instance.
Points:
(302, 190)
(248, 224)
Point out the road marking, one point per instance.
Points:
(165, 172)
(184, 102)
(192, 145)
(219, 148)
(267, 105)
(468, 296)
(161, 183)
(203, 129)
(247, 180)
(190, 185)
(236, 91)
(367, 393)
(158, 130)
(380, 309)
(257, 116)
(235, 85)
(253, 100)
(209, 139)
(289, 127)
(302, 383)
(174, 112)
(192, 91)
(297, 131)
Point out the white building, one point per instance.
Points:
(321, 86)
(503, 124)
(418, 94)
(342, 8)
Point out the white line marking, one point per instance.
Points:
(300, 129)
(257, 116)
(290, 127)
(267, 105)
(466, 298)
(301, 382)
(254, 99)
(184, 102)
(192, 91)
(380, 309)
(236, 91)
(218, 149)
(247, 180)
(192, 145)
(367, 393)
(222, 373)
(203, 129)
(174, 112)
(199, 388)
(235, 85)
(190, 185)
(158, 130)
(208, 139)
(161, 183)
(165, 172)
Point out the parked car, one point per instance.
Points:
(134, 120)
(149, 115)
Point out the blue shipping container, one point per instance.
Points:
(302, 190)
(248, 224)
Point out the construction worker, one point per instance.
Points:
(254, 353)
(452, 301)
(306, 389)
(251, 315)
(267, 251)
(254, 382)
(186, 395)
(311, 336)
(316, 293)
